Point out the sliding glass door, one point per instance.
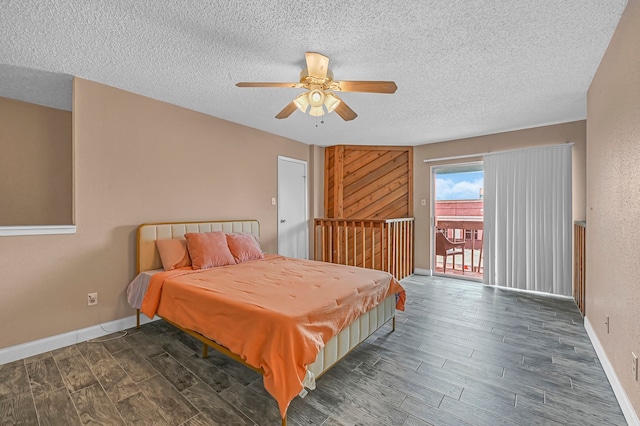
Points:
(457, 231)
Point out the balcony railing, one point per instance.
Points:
(385, 245)
(467, 229)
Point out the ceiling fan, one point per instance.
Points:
(318, 80)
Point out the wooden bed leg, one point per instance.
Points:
(393, 324)
(137, 318)
(205, 350)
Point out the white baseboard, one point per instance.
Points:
(419, 271)
(36, 347)
(627, 409)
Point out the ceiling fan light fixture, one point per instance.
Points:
(316, 111)
(316, 98)
(331, 102)
(302, 102)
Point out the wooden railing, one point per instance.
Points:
(385, 245)
(579, 256)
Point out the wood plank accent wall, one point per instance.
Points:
(368, 182)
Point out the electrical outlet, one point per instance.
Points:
(92, 299)
(606, 322)
(634, 366)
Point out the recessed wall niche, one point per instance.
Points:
(36, 157)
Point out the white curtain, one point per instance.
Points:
(528, 220)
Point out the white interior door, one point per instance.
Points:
(293, 230)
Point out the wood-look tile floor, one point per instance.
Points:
(462, 354)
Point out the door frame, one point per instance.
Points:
(306, 200)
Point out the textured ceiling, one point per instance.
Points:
(463, 67)
(36, 86)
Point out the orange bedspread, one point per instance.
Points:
(275, 313)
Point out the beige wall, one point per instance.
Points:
(316, 198)
(136, 160)
(613, 199)
(318, 179)
(548, 135)
(35, 165)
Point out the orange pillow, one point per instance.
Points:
(244, 247)
(173, 254)
(208, 250)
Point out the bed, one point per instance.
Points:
(204, 303)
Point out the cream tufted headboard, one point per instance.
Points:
(148, 257)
